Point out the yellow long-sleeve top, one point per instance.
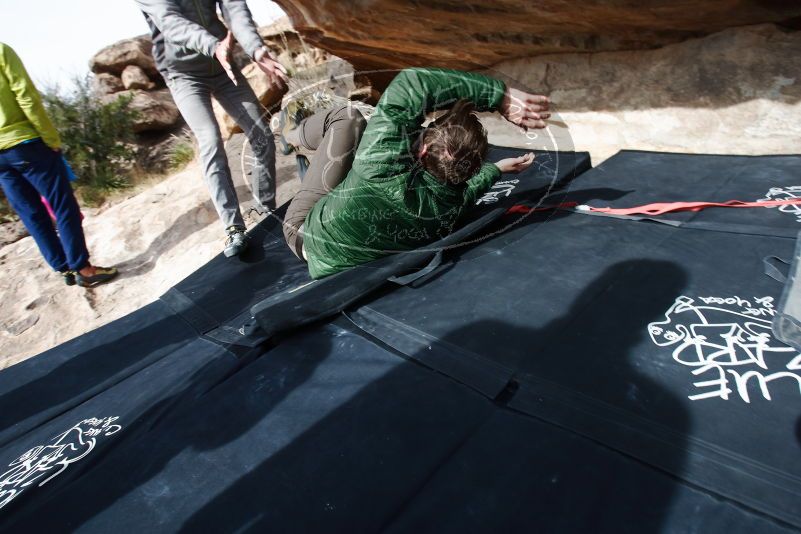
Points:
(22, 115)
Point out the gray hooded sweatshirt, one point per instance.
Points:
(186, 32)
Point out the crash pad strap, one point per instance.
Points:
(656, 208)
(434, 264)
(772, 269)
(649, 212)
(660, 208)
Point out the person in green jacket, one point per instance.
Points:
(32, 168)
(390, 185)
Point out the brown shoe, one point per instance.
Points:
(101, 276)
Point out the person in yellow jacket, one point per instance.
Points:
(32, 168)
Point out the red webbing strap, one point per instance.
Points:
(520, 208)
(660, 208)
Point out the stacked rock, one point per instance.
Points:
(127, 68)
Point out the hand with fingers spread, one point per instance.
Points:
(271, 67)
(524, 109)
(515, 165)
(223, 54)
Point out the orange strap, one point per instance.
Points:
(660, 208)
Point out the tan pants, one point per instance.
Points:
(333, 135)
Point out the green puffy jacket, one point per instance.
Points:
(388, 203)
(22, 115)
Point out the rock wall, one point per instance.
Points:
(734, 92)
(719, 76)
(478, 33)
(127, 68)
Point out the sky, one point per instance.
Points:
(56, 38)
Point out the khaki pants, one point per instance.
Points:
(333, 135)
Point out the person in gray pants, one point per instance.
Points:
(192, 49)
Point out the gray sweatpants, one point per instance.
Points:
(192, 95)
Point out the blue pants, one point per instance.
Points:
(32, 170)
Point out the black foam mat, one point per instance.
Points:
(47, 461)
(564, 400)
(40, 388)
(216, 299)
(224, 287)
(326, 432)
(214, 302)
(330, 432)
(600, 324)
(633, 178)
(517, 474)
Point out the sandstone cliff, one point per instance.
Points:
(719, 76)
(479, 33)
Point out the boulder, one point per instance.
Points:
(104, 83)
(268, 95)
(732, 92)
(134, 77)
(114, 58)
(477, 33)
(156, 109)
(155, 151)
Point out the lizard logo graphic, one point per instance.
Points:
(785, 193)
(44, 462)
(731, 338)
(498, 191)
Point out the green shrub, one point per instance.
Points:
(181, 152)
(96, 137)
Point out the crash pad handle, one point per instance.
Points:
(405, 280)
(772, 268)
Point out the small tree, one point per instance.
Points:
(96, 136)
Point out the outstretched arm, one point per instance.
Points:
(237, 15)
(489, 172)
(415, 92)
(386, 144)
(385, 148)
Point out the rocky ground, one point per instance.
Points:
(156, 238)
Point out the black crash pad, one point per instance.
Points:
(330, 432)
(598, 324)
(561, 397)
(633, 178)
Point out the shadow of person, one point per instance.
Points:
(595, 373)
(586, 391)
(415, 450)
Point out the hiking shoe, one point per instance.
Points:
(69, 277)
(237, 241)
(101, 276)
(289, 119)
